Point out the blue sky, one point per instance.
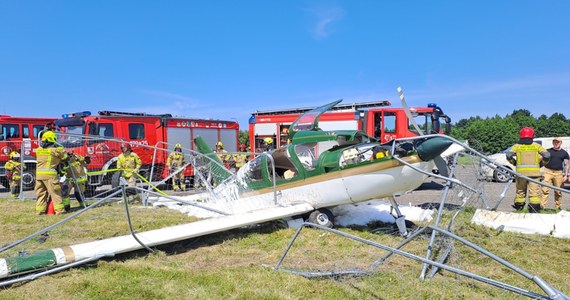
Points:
(226, 59)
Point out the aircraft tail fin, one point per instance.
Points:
(217, 166)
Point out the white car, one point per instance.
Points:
(500, 159)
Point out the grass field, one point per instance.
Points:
(232, 264)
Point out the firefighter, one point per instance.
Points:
(241, 158)
(268, 144)
(129, 163)
(528, 157)
(48, 127)
(285, 140)
(76, 179)
(174, 163)
(13, 173)
(223, 154)
(48, 157)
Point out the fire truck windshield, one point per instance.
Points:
(71, 138)
(430, 123)
(423, 120)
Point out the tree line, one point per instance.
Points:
(492, 135)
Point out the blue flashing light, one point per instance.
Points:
(77, 114)
(432, 105)
(252, 120)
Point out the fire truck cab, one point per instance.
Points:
(20, 134)
(144, 133)
(374, 118)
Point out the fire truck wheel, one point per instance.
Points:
(90, 191)
(322, 216)
(4, 182)
(29, 178)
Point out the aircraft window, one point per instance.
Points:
(306, 156)
(136, 131)
(324, 146)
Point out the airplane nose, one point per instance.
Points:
(430, 148)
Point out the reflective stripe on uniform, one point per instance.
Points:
(534, 200)
(79, 180)
(48, 171)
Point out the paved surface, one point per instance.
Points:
(431, 191)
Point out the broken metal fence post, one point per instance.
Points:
(439, 214)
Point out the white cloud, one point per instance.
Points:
(325, 18)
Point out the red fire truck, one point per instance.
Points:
(139, 130)
(20, 134)
(374, 118)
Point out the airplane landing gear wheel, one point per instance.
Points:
(323, 217)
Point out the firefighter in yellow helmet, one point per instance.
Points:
(129, 163)
(175, 164)
(268, 144)
(76, 174)
(528, 157)
(48, 157)
(14, 173)
(223, 154)
(241, 158)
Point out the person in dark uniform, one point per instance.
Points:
(555, 173)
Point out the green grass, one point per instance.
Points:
(230, 264)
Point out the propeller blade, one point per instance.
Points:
(407, 111)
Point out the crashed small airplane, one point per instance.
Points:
(327, 168)
(317, 170)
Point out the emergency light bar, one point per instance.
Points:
(77, 114)
(335, 108)
(122, 113)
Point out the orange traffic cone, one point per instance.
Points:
(50, 209)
